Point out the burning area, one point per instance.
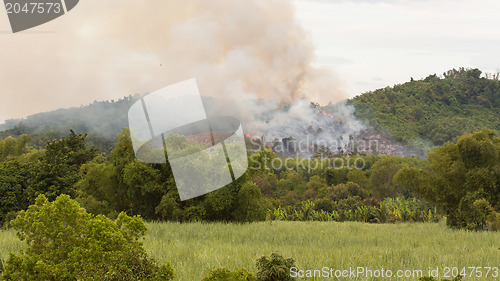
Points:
(256, 63)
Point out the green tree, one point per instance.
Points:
(381, 178)
(250, 204)
(14, 188)
(60, 165)
(64, 242)
(433, 109)
(463, 178)
(169, 207)
(10, 146)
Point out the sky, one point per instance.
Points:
(365, 45)
(374, 44)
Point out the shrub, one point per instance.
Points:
(67, 243)
(494, 222)
(224, 274)
(475, 214)
(274, 268)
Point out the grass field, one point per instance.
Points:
(194, 248)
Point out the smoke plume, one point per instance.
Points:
(252, 56)
(108, 49)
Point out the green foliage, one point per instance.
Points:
(14, 191)
(64, 242)
(382, 174)
(463, 179)
(274, 268)
(121, 183)
(195, 248)
(101, 120)
(433, 109)
(224, 274)
(249, 206)
(59, 169)
(390, 210)
(25, 173)
(118, 182)
(11, 147)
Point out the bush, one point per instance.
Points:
(494, 222)
(224, 274)
(274, 268)
(475, 214)
(67, 243)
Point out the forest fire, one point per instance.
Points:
(299, 130)
(250, 136)
(329, 115)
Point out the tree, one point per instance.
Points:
(169, 208)
(64, 242)
(250, 204)
(14, 189)
(381, 178)
(60, 165)
(433, 110)
(13, 146)
(463, 179)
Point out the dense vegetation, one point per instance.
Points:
(114, 183)
(64, 242)
(102, 121)
(463, 179)
(459, 180)
(433, 110)
(421, 113)
(377, 189)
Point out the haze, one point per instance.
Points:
(281, 50)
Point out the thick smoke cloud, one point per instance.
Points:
(237, 50)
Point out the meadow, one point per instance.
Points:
(194, 248)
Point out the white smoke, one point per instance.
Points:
(109, 49)
(253, 56)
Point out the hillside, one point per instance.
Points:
(421, 113)
(433, 110)
(101, 120)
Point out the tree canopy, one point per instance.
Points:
(463, 179)
(434, 110)
(64, 242)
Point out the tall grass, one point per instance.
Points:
(9, 243)
(194, 248)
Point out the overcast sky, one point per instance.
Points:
(367, 44)
(378, 43)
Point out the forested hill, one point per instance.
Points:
(101, 120)
(435, 110)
